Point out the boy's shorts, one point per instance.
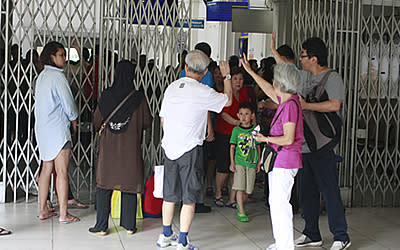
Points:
(244, 179)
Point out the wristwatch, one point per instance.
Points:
(227, 77)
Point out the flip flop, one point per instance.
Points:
(69, 221)
(77, 205)
(231, 205)
(4, 232)
(219, 202)
(48, 217)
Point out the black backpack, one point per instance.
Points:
(322, 130)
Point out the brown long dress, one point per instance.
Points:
(120, 164)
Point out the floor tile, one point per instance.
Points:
(369, 228)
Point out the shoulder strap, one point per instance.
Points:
(104, 123)
(273, 122)
(321, 86)
(298, 118)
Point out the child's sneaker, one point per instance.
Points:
(242, 217)
(164, 241)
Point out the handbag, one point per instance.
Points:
(96, 142)
(268, 154)
(268, 157)
(322, 130)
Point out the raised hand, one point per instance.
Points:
(272, 44)
(246, 64)
(224, 68)
(277, 56)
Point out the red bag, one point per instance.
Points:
(152, 207)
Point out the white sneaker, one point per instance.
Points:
(271, 247)
(340, 245)
(304, 241)
(164, 241)
(187, 247)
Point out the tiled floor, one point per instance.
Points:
(369, 228)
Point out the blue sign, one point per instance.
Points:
(222, 11)
(196, 23)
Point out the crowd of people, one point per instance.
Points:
(215, 118)
(230, 141)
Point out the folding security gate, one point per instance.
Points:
(109, 31)
(27, 25)
(152, 34)
(377, 156)
(363, 41)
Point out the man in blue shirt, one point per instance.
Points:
(207, 79)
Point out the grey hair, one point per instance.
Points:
(288, 75)
(197, 61)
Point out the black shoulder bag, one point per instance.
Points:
(96, 143)
(322, 130)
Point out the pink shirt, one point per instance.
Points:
(288, 157)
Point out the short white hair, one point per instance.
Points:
(197, 61)
(288, 75)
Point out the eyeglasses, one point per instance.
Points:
(303, 56)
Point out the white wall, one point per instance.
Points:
(258, 46)
(223, 42)
(214, 33)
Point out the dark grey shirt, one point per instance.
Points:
(334, 88)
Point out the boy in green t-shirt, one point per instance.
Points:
(244, 158)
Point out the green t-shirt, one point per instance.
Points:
(245, 152)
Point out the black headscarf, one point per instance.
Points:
(112, 96)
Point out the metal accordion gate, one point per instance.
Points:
(363, 37)
(96, 34)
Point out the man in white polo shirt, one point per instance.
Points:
(184, 119)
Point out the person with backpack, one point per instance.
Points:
(322, 93)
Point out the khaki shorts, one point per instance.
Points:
(244, 178)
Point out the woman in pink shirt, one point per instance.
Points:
(286, 137)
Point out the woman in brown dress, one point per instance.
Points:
(120, 165)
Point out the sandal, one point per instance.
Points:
(4, 231)
(50, 215)
(219, 202)
(77, 205)
(238, 210)
(242, 217)
(231, 205)
(70, 219)
(74, 205)
(210, 192)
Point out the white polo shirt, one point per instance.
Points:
(184, 109)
